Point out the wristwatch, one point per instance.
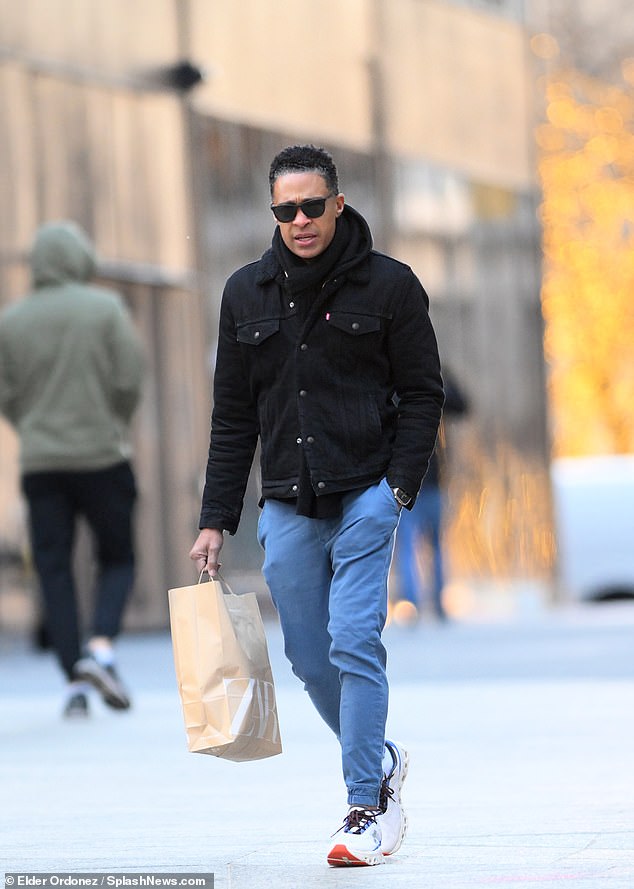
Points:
(402, 497)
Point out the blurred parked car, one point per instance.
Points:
(594, 517)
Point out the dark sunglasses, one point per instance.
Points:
(311, 207)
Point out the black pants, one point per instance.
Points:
(56, 499)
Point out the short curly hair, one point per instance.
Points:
(304, 159)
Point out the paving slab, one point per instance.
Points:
(520, 731)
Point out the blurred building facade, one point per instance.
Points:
(89, 131)
(428, 107)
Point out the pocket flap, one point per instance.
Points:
(355, 324)
(255, 332)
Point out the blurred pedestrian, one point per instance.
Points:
(420, 530)
(318, 342)
(70, 380)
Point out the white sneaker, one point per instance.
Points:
(359, 840)
(393, 821)
(105, 679)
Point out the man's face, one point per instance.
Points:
(306, 237)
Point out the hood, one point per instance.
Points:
(61, 252)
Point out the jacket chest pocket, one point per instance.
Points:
(254, 333)
(355, 339)
(263, 355)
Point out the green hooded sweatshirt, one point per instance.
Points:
(70, 360)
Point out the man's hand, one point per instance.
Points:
(206, 550)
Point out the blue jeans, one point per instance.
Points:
(423, 522)
(328, 581)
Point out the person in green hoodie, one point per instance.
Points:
(71, 368)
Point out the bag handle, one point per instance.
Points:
(219, 577)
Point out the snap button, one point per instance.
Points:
(298, 440)
(321, 485)
(303, 347)
(310, 439)
(303, 393)
(355, 325)
(295, 488)
(291, 305)
(256, 334)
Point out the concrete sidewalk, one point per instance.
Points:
(521, 735)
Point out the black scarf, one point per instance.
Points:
(350, 244)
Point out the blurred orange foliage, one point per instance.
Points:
(586, 168)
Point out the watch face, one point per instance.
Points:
(402, 497)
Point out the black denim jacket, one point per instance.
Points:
(356, 384)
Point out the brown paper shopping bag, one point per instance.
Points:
(223, 671)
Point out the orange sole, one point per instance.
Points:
(340, 856)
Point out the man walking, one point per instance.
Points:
(70, 378)
(327, 355)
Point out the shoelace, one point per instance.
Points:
(358, 820)
(386, 793)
